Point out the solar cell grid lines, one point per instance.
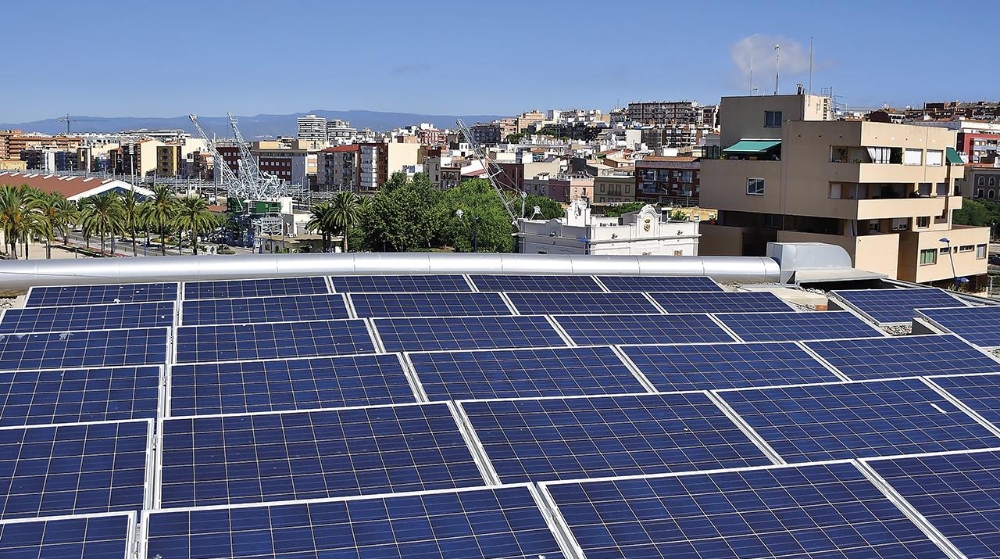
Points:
(74, 469)
(981, 393)
(89, 317)
(94, 348)
(819, 510)
(790, 326)
(263, 309)
(501, 522)
(977, 325)
(239, 289)
(955, 492)
(720, 301)
(581, 303)
(79, 537)
(400, 284)
(518, 373)
(857, 420)
(641, 329)
(659, 283)
(79, 395)
(894, 306)
(903, 356)
(288, 384)
(229, 342)
(381, 305)
(537, 283)
(729, 365)
(472, 332)
(228, 459)
(569, 438)
(100, 294)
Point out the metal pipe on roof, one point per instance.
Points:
(19, 275)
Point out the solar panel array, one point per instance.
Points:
(492, 415)
(894, 306)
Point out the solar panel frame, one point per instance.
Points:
(979, 326)
(120, 316)
(714, 366)
(494, 332)
(400, 283)
(63, 528)
(581, 302)
(251, 288)
(76, 295)
(356, 339)
(496, 373)
(720, 301)
(404, 305)
(903, 356)
(977, 392)
(663, 284)
(150, 390)
(259, 526)
(88, 354)
(808, 325)
(322, 384)
(865, 419)
(279, 308)
(512, 283)
(893, 306)
(658, 328)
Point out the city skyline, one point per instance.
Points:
(142, 60)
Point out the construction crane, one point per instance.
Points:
(508, 196)
(269, 185)
(250, 184)
(68, 119)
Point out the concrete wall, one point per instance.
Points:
(717, 240)
(743, 117)
(724, 185)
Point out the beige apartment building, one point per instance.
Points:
(884, 192)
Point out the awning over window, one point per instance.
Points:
(954, 158)
(752, 146)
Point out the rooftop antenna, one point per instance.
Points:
(810, 65)
(751, 76)
(777, 66)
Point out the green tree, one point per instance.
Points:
(402, 215)
(54, 215)
(978, 213)
(14, 216)
(194, 216)
(130, 216)
(476, 198)
(102, 214)
(344, 213)
(321, 221)
(617, 211)
(158, 212)
(550, 208)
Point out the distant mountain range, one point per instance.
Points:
(252, 127)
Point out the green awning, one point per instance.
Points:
(954, 158)
(752, 146)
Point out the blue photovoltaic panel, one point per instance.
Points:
(815, 511)
(642, 329)
(857, 420)
(289, 384)
(956, 492)
(95, 348)
(250, 342)
(720, 301)
(904, 356)
(659, 283)
(890, 306)
(399, 284)
(582, 303)
(263, 309)
(569, 438)
(78, 395)
(501, 523)
(100, 294)
(520, 373)
(91, 317)
(978, 325)
(256, 458)
(472, 332)
(774, 327)
(240, 289)
(73, 469)
(718, 366)
(980, 392)
(555, 284)
(82, 537)
(383, 305)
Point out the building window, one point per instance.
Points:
(965, 248)
(772, 119)
(923, 222)
(928, 256)
(981, 181)
(943, 250)
(993, 181)
(991, 194)
(912, 157)
(979, 193)
(980, 252)
(934, 158)
(755, 187)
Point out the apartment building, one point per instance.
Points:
(671, 181)
(169, 160)
(311, 128)
(614, 188)
(294, 164)
(884, 192)
(338, 168)
(982, 181)
(979, 148)
(373, 166)
(569, 188)
(13, 141)
(136, 158)
(670, 112)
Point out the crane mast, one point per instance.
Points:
(508, 196)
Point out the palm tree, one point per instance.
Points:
(345, 211)
(130, 216)
(321, 220)
(54, 215)
(14, 216)
(102, 214)
(193, 215)
(159, 212)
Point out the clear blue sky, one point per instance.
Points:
(154, 58)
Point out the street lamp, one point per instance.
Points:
(951, 257)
